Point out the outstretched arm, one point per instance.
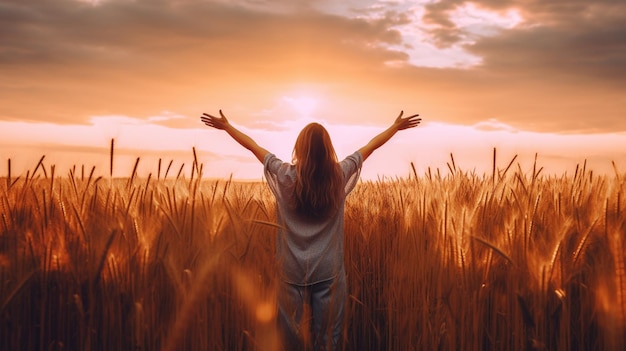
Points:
(244, 140)
(399, 124)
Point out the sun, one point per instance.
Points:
(304, 105)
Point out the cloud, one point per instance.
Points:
(560, 68)
(584, 49)
(67, 60)
(577, 39)
(493, 124)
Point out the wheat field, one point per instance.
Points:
(451, 260)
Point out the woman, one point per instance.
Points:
(310, 196)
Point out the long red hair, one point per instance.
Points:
(318, 184)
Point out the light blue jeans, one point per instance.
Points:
(312, 314)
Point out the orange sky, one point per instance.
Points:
(523, 76)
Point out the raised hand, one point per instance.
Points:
(244, 140)
(215, 122)
(407, 122)
(399, 124)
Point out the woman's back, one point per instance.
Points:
(309, 250)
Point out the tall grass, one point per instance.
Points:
(504, 261)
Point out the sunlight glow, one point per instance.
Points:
(4, 261)
(91, 2)
(483, 22)
(304, 105)
(429, 145)
(421, 41)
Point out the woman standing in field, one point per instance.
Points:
(310, 196)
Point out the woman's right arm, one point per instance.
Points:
(244, 140)
(399, 124)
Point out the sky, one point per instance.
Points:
(523, 76)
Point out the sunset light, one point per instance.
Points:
(168, 178)
(304, 105)
(472, 67)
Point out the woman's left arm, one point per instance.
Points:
(399, 124)
(244, 140)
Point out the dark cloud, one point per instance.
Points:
(582, 50)
(67, 59)
(562, 70)
(568, 38)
